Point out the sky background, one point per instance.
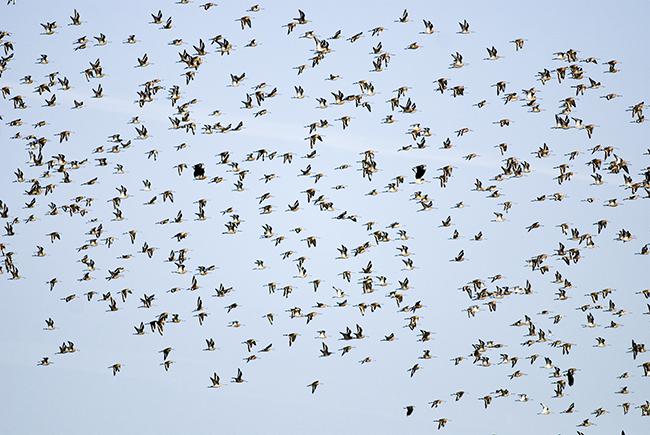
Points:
(77, 393)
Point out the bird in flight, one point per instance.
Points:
(208, 171)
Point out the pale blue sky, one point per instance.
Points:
(78, 395)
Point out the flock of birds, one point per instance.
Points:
(358, 291)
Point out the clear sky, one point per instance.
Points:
(77, 394)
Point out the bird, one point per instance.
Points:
(419, 170)
(215, 381)
(442, 422)
(353, 249)
(313, 386)
(115, 368)
(239, 378)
